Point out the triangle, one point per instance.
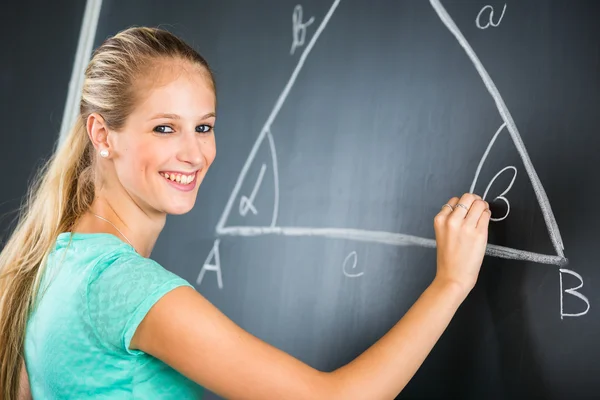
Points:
(247, 206)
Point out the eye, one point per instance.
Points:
(204, 128)
(161, 129)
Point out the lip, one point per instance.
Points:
(184, 188)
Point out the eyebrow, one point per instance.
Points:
(175, 116)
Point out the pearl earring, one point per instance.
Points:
(104, 153)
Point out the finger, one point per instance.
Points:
(484, 219)
(475, 212)
(463, 205)
(445, 211)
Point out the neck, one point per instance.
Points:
(130, 222)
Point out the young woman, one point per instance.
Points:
(84, 313)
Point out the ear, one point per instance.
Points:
(97, 130)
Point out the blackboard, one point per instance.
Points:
(35, 68)
(342, 128)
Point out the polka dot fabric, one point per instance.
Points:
(94, 293)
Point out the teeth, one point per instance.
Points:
(183, 179)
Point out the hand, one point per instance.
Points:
(461, 236)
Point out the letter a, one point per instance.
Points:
(572, 291)
(214, 254)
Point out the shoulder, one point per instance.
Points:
(128, 265)
(121, 289)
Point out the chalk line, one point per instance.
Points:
(87, 34)
(275, 179)
(390, 238)
(484, 157)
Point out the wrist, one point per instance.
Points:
(455, 289)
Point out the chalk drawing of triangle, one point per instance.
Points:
(245, 203)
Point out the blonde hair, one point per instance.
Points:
(63, 189)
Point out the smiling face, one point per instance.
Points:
(169, 133)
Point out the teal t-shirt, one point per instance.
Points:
(94, 293)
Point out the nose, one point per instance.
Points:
(190, 149)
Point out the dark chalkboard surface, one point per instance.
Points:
(342, 128)
(38, 48)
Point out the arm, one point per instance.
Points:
(187, 332)
(24, 389)
(382, 371)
